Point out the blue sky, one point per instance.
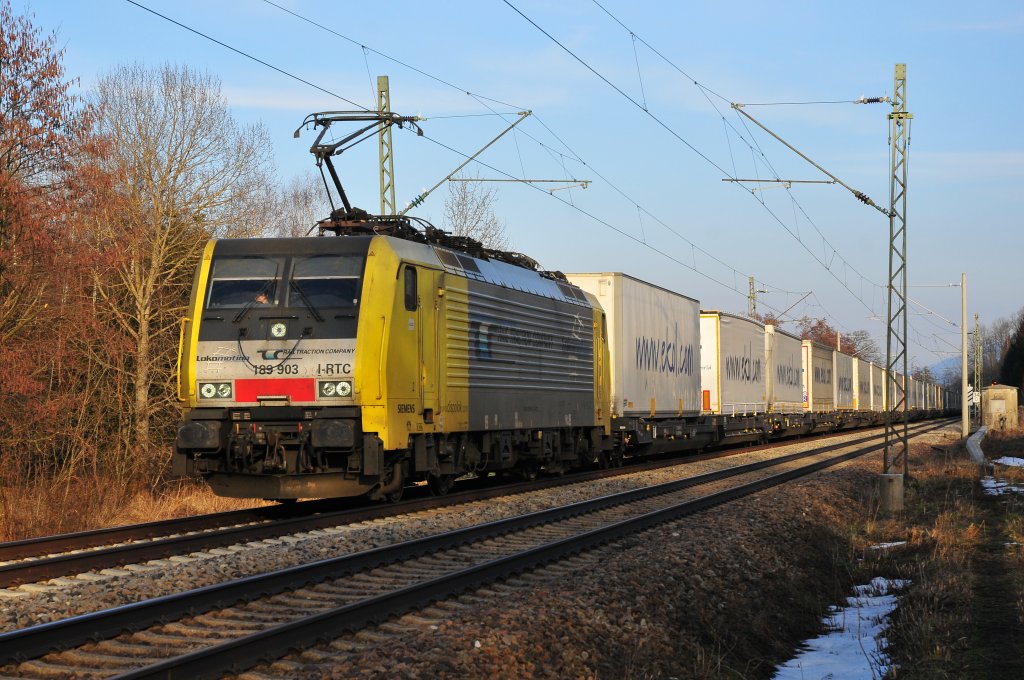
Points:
(657, 207)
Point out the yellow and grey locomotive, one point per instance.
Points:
(354, 365)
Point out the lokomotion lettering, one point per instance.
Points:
(664, 355)
(744, 367)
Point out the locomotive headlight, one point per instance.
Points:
(221, 390)
(332, 389)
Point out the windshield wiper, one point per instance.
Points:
(309, 305)
(252, 303)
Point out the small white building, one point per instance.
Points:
(999, 407)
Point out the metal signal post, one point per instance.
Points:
(965, 423)
(387, 158)
(977, 365)
(896, 439)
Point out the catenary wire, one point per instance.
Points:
(482, 100)
(326, 91)
(246, 54)
(775, 174)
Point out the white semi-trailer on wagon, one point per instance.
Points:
(654, 349)
(732, 373)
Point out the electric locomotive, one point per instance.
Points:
(354, 365)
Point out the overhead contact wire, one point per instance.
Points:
(440, 80)
(481, 99)
(246, 55)
(704, 89)
(617, 89)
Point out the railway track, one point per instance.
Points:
(35, 560)
(233, 625)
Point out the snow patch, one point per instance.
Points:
(994, 486)
(887, 546)
(854, 647)
(1010, 461)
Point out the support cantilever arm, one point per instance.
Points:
(860, 195)
(419, 199)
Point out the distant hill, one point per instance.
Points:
(947, 372)
(950, 364)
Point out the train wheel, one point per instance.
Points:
(395, 486)
(440, 485)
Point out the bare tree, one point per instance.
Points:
(469, 211)
(867, 347)
(182, 170)
(300, 204)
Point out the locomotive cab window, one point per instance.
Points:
(411, 297)
(240, 281)
(326, 281)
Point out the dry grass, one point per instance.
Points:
(928, 628)
(935, 630)
(41, 509)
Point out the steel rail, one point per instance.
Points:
(272, 643)
(139, 545)
(37, 640)
(52, 566)
(80, 540)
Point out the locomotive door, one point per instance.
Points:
(427, 315)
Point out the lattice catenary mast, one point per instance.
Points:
(387, 158)
(896, 440)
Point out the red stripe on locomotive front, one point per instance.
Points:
(296, 389)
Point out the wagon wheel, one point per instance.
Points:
(529, 470)
(440, 485)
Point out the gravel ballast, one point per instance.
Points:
(662, 604)
(727, 593)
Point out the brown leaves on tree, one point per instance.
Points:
(41, 126)
(857, 343)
